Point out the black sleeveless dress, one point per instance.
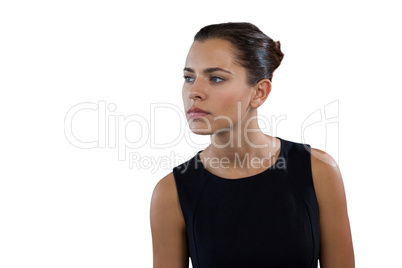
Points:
(270, 219)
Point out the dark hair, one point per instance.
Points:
(255, 51)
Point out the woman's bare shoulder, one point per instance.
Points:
(169, 238)
(165, 199)
(165, 187)
(336, 244)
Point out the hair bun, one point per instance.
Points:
(277, 44)
(259, 54)
(278, 51)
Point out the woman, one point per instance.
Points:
(248, 199)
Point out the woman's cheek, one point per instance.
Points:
(226, 99)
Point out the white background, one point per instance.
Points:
(65, 206)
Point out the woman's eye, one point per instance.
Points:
(217, 79)
(188, 79)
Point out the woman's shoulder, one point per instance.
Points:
(328, 183)
(322, 164)
(165, 199)
(169, 238)
(325, 170)
(165, 190)
(334, 221)
(165, 205)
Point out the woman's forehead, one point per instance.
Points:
(211, 53)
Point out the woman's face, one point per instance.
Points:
(216, 84)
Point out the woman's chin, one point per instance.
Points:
(200, 131)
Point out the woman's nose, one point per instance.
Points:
(197, 90)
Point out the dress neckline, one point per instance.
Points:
(197, 159)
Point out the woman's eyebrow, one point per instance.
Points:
(208, 70)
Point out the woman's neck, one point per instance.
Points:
(248, 149)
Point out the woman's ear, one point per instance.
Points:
(260, 93)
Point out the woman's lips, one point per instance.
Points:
(195, 112)
(197, 115)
